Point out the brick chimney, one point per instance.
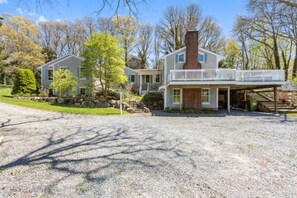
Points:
(191, 41)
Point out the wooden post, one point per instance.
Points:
(245, 100)
(228, 100)
(121, 101)
(275, 99)
(140, 87)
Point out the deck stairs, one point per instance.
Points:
(266, 104)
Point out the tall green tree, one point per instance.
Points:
(24, 83)
(64, 81)
(103, 59)
(232, 53)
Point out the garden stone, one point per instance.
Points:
(146, 110)
(102, 104)
(130, 110)
(89, 104)
(60, 100)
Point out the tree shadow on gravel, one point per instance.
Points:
(8, 123)
(98, 153)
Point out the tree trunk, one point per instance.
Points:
(276, 54)
(295, 64)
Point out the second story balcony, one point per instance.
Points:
(226, 76)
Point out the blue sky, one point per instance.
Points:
(223, 11)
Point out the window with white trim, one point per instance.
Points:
(205, 95)
(176, 96)
(132, 78)
(201, 57)
(82, 74)
(158, 78)
(147, 78)
(50, 74)
(181, 57)
(82, 91)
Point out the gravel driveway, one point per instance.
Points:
(46, 154)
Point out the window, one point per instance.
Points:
(205, 96)
(201, 57)
(157, 78)
(82, 91)
(181, 57)
(50, 92)
(132, 78)
(147, 79)
(50, 75)
(82, 74)
(176, 96)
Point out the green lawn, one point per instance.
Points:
(6, 97)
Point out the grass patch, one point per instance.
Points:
(6, 97)
(292, 155)
(182, 190)
(17, 172)
(2, 169)
(82, 188)
(5, 86)
(250, 146)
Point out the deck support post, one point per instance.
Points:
(275, 99)
(228, 100)
(245, 100)
(140, 86)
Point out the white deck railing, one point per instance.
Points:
(260, 76)
(226, 75)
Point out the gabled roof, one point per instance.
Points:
(181, 49)
(57, 60)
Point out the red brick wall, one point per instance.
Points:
(191, 41)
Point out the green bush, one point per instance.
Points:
(24, 83)
(110, 94)
(152, 97)
(191, 111)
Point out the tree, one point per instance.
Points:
(103, 59)
(291, 3)
(21, 42)
(64, 81)
(232, 53)
(131, 5)
(178, 20)
(268, 36)
(144, 43)
(126, 29)
(25, 82)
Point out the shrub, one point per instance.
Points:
(24, 83)
(191, 111)
(152, 97)
(109, 94)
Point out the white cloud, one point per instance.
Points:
(3, 1)
(33, 15)
(41, 19)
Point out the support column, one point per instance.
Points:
(140, 86)
(228, 100)
(245, 100)
(275, 99)
(181, 99)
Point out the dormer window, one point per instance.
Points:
(201, 57)
(181, 57)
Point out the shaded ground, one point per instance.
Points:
(50, 154)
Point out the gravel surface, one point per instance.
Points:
(46, 154)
